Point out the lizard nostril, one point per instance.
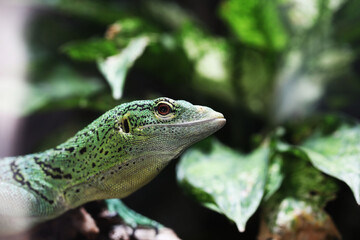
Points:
(200, 109)
(126, 125)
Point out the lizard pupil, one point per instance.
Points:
(164, 109)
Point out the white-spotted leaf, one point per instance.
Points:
(275, 176)
(225, 180)
(338, 155)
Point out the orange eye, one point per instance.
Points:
(163, 109)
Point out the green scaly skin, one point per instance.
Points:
(114, 156)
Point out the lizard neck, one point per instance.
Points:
(95, 164)
(55, 175)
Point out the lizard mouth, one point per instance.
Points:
(217, 121)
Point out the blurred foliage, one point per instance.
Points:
(90, 50)
(256, 23)
(269, 66)
(65, 87)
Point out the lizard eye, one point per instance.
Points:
(163, 109)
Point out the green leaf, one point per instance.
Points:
(275, 176)
(225, 180)
(303, 194)
(338, 155)
(90, 50)
(115, 68)
(255, 22)
(302, 180)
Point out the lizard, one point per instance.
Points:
(112, 157)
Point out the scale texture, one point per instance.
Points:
(112, 157)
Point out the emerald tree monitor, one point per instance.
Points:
(112, 157)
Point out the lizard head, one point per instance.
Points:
(166, 127)
(137, 139)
